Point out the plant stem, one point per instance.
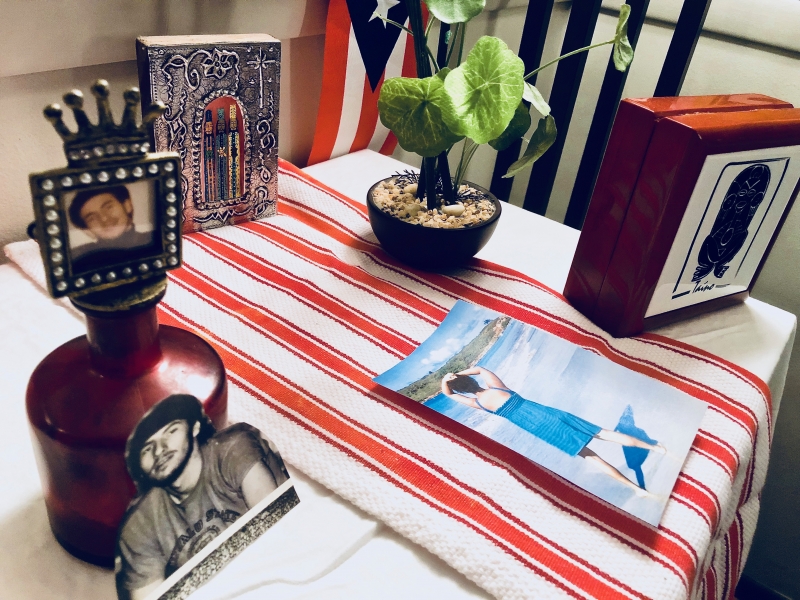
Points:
(447, 181)
(396, 24)
(430, 182)
(432, 58)
(453, 42)
(421, 181)
(468, 159)
(461, 44)
(441, 49)
(421, 53)
(467, 152)
(420, 47)
(461, 165)
(567, 55)
(431, 19)
(411, 33)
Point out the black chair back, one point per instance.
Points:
(580, 28)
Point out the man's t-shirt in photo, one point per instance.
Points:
(159, 536)
(131, 245)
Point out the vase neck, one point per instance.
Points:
(122, 344)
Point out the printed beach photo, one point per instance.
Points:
(614, 432)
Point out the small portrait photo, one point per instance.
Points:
(613, 432)
(112, 224)
(202, 496)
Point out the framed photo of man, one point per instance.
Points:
(108, 224)
(203, 495)
(116, 219)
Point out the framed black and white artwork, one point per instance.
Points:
(730, 220)
(710, 198)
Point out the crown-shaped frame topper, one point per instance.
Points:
(111, 217)
(105, 141)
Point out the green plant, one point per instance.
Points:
(484, 99)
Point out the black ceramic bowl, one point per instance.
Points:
(428, 248)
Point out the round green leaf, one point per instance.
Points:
(485, 91)
(412, 109)
(455, 11)
(541, 140)
(519, 125)
(623, 51)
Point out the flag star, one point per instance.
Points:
(382, 10)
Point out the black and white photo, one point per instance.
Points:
(196, 486)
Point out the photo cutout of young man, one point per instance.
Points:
(193, 482)
(104, 218)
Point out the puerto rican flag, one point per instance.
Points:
(361, 51)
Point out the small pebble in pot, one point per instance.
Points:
(412, 209)
(454, 210)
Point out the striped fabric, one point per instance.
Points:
(347, 119)
(305, 309)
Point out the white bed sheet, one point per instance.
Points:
(325, 548)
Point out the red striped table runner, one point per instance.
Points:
(305, 309)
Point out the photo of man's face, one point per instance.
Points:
(106, 216)
(107, 224)
(166, 452)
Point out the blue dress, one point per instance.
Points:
(558, 428)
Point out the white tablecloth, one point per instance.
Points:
(325, 548)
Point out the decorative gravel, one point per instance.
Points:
(397, 197)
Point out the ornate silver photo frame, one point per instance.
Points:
(222, 98)
(112, 216)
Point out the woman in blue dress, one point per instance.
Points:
(558, 428)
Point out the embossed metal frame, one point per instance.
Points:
(49, 189)
(186, 77)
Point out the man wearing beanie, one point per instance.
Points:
(192, 483)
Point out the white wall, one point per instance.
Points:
(48, 47)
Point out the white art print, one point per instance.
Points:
(731, 217)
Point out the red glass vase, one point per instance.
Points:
(85, 398)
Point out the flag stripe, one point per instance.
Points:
(337, 38)
(399, 61)
(347, 119)
(368, 118)
(353, 95)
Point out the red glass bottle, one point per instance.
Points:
(85, 398)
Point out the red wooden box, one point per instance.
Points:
(710, 196)
(625, 153)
